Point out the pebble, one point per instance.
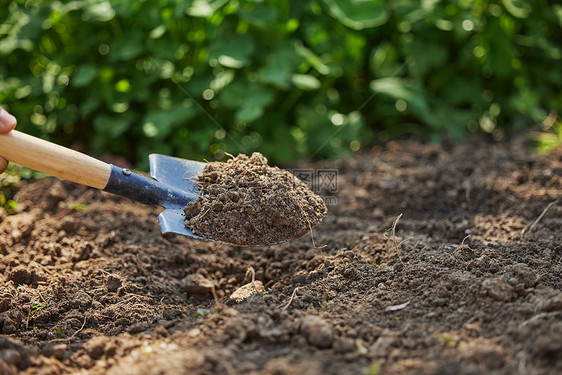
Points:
(317, 332)
(197, 284)
(10, 356)
(138, 327)
(344, 345)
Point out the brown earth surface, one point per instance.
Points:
(468, 282)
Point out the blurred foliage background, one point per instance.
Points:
(197, 78)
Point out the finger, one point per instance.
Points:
(3, 164)
(7, 121)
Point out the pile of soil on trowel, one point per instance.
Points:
(246, 202)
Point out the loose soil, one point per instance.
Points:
(246, 202)
(467, 281)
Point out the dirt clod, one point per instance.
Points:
(10, 356)
(497, 288)
(59, 350)
(246, 202)
(248, 290)
(197, 284)
(113, 283)
(317, 331)
(551, 304)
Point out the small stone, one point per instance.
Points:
(194, 332)
(248, 290)
(317, 331)
(138, 327)
(344, 345)
(498, 289)
(197, 284)
(11, 357)
(68, 225)
(483, 351)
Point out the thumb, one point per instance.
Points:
(7, 121)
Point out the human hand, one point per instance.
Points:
(7, 124)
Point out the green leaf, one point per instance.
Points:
(358, 14)
(241, 93)
(281, 64)
(131, 45)
(399, 88)
(260, 14)
(306, 82)
(9, 45)
(517, 8)
(249, 113)
(249, 99)
(99, 11)
(205, 8)
(232, 52)
(113, 126)
(80, 207)
(160, 123)
(84, 74)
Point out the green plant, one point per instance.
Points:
(35, 307)
(9, 181)
(200, 78)
(80, 207)
(550, 138)
(65, 331)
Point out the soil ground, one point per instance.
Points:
(468, 282)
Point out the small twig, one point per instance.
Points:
(532, 226)
(290, 299)
(539, 316)
(252, 272)
(396, 244)
(311, 234)
(165, 241)
(215, 296)
(75, 333)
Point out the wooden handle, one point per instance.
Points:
(53, 159)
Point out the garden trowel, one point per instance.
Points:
(172, 184)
